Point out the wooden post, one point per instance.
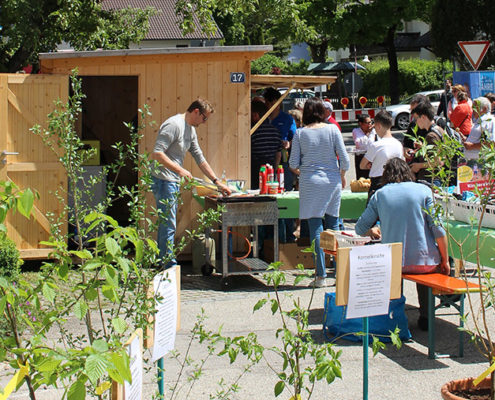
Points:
(262, 119)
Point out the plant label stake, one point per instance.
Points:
(367, 278)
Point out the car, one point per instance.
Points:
(299, 93)
(296, 96)
(400, 112)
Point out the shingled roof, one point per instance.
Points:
(164, 25)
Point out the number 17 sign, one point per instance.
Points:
(237, 77)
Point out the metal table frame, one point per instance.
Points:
(244, 212)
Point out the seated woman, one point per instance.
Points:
(400, 205)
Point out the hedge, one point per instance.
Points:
(415, 75)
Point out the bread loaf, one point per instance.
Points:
(361, 185)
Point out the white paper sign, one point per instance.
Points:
(134, 390)
(369, 280)
(165, 286)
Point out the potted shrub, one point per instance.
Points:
(441, 158)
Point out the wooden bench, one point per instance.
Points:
(442, 286)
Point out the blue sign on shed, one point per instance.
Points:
(237, 77)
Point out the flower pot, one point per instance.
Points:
(466, 386)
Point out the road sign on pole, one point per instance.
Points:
(474, 51)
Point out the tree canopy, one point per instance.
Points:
(275, 22)
(30, 27)
(476, 24)
(320, 23)
(377, 23)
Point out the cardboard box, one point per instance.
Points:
(289, 254)
(328, 240)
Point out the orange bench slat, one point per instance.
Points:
(443, 283)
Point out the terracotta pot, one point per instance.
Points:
(460, 385)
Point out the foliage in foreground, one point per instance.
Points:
(441, 158)
(99, 274)
(300, 362)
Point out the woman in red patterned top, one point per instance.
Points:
(461, 116)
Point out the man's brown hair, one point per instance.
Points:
(202, 105)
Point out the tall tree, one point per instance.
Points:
(29, 27)
(251, 22)
(319, 16)
(477, 24)
(377, 22)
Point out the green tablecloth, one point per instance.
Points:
(352, 205)
(466, 234)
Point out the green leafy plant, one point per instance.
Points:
(297, 68)
(304, 362)
(297, 344)
(440, 158)
(12, 199)
(10, 261)
(266, 63)
(99, 273)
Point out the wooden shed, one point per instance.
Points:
(26, 100)
(117, 83)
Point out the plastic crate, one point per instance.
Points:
(470, 212)
(351, 239)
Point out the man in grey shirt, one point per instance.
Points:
(176, 136)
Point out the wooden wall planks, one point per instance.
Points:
(169, 83)
(27, 100)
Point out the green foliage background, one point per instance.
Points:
(267, 62)
(415, 75)
(9, 258)
(477, 24)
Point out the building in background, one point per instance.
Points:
(413, 42)
(164, 31)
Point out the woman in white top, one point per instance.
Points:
(363, 136)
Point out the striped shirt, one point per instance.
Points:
(314, 152)
(265, 142)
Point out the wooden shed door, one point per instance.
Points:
(26, 100)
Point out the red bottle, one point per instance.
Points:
(280, 179)
(270, 173)
(262, 180)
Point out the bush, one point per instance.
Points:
(10, 261)
(297, 68)
(415, 75)
(266, 62)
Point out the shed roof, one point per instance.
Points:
(283, 81)
(160, 51)
(164, 25)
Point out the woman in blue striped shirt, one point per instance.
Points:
(318, 152)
